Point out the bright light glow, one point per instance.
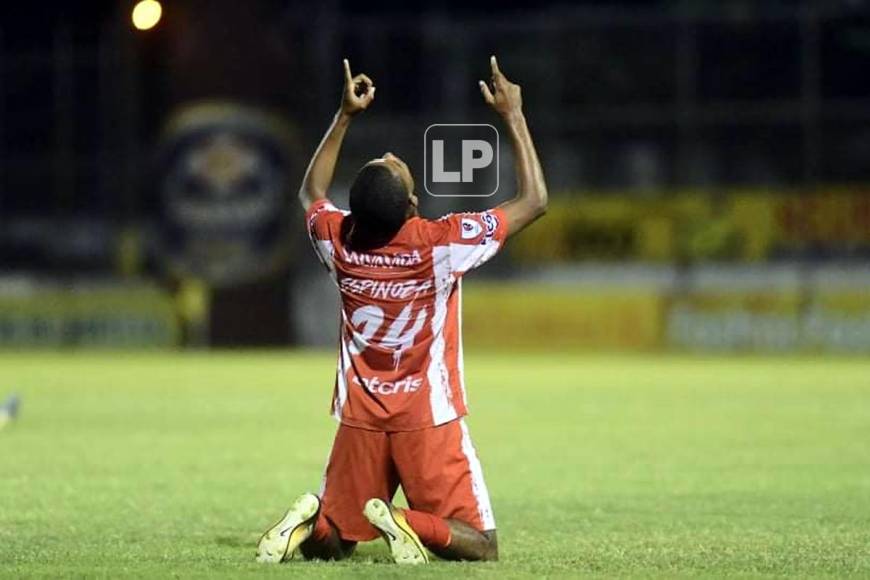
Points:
(146, 14)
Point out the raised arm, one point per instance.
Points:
(530, 202)
(359, 92)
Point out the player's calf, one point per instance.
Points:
(408, 531)
(467, 543)
(452, 539)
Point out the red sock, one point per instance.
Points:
(432, 530)
(322, 528)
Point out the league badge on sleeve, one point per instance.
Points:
(470, 228)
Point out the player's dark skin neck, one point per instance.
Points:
(361, 239)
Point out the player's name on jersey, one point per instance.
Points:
(396, 289)
(382, 260)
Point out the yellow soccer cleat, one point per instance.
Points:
(405, 546)
(280, 542)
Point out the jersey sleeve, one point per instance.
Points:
(323, 223)
(472, 239)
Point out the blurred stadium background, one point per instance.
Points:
(707, 161)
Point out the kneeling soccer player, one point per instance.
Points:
(399, 392)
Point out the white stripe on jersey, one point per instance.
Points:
(341, 375)
(325, 251)
(464, 257)
(437, 375)
(460, 359)
(478, 485)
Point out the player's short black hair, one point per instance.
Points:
(379, 200)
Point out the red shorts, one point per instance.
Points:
(437, 468)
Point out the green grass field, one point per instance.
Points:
(172, 465)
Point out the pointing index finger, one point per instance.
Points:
(494, 65)
(347, 76)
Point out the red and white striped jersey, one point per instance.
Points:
(400, 351)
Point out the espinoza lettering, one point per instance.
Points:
(375, 386)
(399, 290)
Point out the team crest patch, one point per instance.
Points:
(470, 229)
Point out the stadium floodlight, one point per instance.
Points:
(146, 14)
